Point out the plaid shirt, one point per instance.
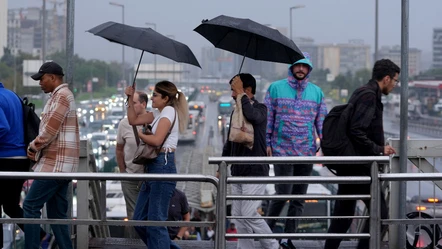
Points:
(58, 141)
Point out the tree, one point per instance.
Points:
(108, 74)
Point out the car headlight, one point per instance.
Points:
(91, 111)
(106, 158)
(84, 111)
(89, 135)
(95, 151)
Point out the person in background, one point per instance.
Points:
(210, 233)
(178, 211)
(126, 145)
(232, 229)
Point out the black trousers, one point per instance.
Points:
(11, 191)
(347, 207)
(296, 207)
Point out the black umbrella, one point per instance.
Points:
(145, 39)
(250, 39)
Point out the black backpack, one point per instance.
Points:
(335, 140)
(31, 121)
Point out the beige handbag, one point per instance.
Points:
(241, 130)
(145, 152)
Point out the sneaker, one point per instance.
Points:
(287, 245)
(47, 241)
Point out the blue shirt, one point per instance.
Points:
(12, 140)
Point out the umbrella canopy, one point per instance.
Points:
(146, 39)
(250, 39)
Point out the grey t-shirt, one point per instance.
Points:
(125, 135)
(177, 208)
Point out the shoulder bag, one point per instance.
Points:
(145, 152)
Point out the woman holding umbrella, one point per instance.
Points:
(168, 118)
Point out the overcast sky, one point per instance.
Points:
(327, 21)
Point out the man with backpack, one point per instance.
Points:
(362, 134)
(13, 156)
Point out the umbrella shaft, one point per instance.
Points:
(138, 67)
(247, 48)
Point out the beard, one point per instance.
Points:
(299, 78)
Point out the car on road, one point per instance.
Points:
(429, 204)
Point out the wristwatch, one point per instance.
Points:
(31, 150)
(178, 237)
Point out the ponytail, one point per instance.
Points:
(182, 110)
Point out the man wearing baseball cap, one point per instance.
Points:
(55, 149)
(48, 68)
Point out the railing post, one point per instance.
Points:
(83, 196)
(220, 232)
(375, 228)
(393, 230)
(103, 200)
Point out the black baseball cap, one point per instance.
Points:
(48, 67)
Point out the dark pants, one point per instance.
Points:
(296, 207)
(347, 208)
(11, 191)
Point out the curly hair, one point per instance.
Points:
(385, 67)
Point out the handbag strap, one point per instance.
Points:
(137, 138)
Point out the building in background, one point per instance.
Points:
(329, 58)
(25, 29)
(3, 25)
(394, 54)
(340, 58)
(307, 44)
(217, 62)
(354, 56)
(175, 72)
(437, 48)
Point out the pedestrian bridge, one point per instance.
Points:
(91, 226)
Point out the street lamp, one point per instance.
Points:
(292, 8)
(173, 76)
(155, 56)
(376, 30)
(122, 17)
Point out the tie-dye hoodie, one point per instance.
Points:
(295, 109)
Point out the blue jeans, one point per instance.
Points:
(53, 193)
(153, 203)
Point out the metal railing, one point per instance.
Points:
(375, 230)
(83, 220)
